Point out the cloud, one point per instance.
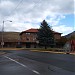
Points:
(35, 8)
(26, 14)
(6, 7)
(54, 19)
(63, 29)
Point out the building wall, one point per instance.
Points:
(10, 39)
(9, 45)
(28, 37)
(28, 40)
(31, 37)
(57, 36)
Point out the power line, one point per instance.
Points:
(15, 7)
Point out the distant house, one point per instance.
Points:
(29, 37)
(72, 34)
(10, 39)
(71, 40)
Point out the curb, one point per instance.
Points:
(53, 52)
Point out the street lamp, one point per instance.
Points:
(2, 43)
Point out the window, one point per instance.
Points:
(28, 33)
(34, 39)
(27, 38)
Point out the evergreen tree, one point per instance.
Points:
(45, 35)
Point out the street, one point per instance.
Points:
(23, 62)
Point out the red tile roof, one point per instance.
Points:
(32, 30)
(56, 32)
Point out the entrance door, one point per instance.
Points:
(28, 45)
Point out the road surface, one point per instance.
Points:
(36, 63)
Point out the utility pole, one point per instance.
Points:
(2, 43)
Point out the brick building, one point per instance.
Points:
(28, 37)
(10, 39)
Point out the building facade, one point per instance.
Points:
(29, 38)
(10, 39)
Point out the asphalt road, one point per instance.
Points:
(36, 63)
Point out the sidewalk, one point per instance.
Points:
(37, 50)
(11, 48)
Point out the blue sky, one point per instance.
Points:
(26, 14)
(68, 21)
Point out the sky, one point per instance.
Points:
(26, 14)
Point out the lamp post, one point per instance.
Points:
(2, 43)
